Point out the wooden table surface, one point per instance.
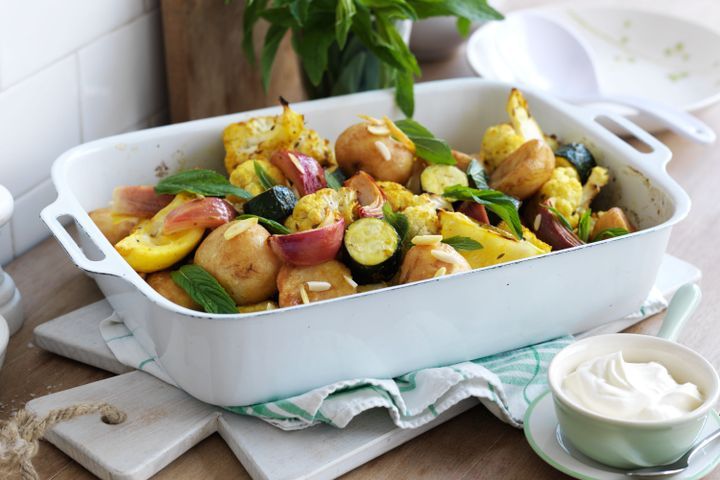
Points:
(473, 445)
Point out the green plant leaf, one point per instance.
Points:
(208, 183)
(404, 92)
(398, 220)
(312, 47)
(463, 26)
(470, 9)
(502, 205)
(463, 243)
(334, 179)
(610, 233)
(560, 217)
(350, 76)
(271, 225)
(204, 289)
(273, 38)
(266, 180)
(253, 9)
(427, 146)
(299, 10)
(477, 175)
(584, 226)
(343, 20)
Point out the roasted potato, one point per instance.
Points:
(163, 283)
(114, 227)
(525, 170)
(462, 159)
(318, 282)
(380, 155)
(613, 218)
(428, 261)
(244, 264)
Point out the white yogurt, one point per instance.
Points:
(612, 387)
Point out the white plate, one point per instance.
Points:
(540, 431)
(636, 53)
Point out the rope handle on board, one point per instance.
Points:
(20, 434)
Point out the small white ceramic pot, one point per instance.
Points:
(4, 338)
(628, 443)
(10, 300)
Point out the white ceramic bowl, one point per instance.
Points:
(4, 338)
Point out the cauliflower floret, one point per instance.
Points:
(498, 142)
(244, 176)
(399, 197)
(598, 178)
(321, 208)
(565, 190)
(422, 216)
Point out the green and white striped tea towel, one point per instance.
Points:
(505, 383)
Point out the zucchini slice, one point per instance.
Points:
(276, 203)
(578, 156)
(373, 249)
(436, 178)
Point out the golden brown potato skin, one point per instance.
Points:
(525, 170)
(291, 278)
(113, 230)
(163, 283)
(613, 218)
(420, 264)
(355, 150)
(245, 265)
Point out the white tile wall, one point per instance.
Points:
(121, 78)
(33, 34)
(80, 70)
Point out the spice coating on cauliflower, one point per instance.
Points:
(498, 142)
(565, 191)
(322, 208)
(398, 196)
(244, 176)
(422, 216)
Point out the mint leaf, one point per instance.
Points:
(477, 175)
(265, 180)
(204, 289)
(271, 225)
(334, 179)
(502, 205)
(199, 181)
(398, 220)
(463, 243)
(560, 217)
(584, 226)
(610, 233)
(427, 146)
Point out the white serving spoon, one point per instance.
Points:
(541, 53)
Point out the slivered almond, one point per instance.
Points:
(398, 134)
(378, 130)
(296, 162)
(384, 150)
(350, 281)
(304, 295)
(536, 223)
(440, 272)
(318, 286)
(444, 256)
(239, 227)
(371, 120)
(426, 239)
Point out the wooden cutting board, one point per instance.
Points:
(164, 422)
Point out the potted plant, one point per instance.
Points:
(347, 46)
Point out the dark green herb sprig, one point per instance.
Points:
(321, 29)
(427, 146)
(561, 218)
(200, 182)
(584, 226)
(477, 175)
(398, 221)
(610, 233)
(266, 180)
(503, 205)
(204, 289)
(271, 225)
(463, 243)
(334, 179)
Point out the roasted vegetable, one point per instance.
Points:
(147, 249)
(277, 204)
(322, 207)
(258, 307)
(305, 173)
(498, 142)
(548, 227)
(527, 235)
(599, 177)
(436, 178)
(369, 147)
(113, 227)
(238, 255)
(245, 176)
(462, 160)
(475, 211)
(576, 155)
(298, 285)
(525, 170)
(397, 196)
(138, 201)
(373, 250)
(434, 260)
(258, 138)
(163, 283)
(207, 212)
(422, 216)
(521, 119)
(498, 245)
(613, 218)
(310, 247)
(369, 195)
(564, 191)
